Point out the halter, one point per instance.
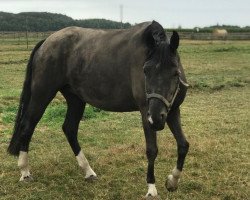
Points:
(167, 103)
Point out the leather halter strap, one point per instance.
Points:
(167, 103)
(183, 83)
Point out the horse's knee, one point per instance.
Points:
(151, 153)
(69, 130)
(183, 148)
(69, 125)
(71, 134)
(182, 152)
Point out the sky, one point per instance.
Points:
(169, 13)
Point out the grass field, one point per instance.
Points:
(215, 118)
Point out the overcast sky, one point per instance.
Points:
(170, 13)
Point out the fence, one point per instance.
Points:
(210, 36)
(21, 37)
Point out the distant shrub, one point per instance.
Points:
(44, 21)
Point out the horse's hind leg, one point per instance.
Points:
(174, 123)
(70, 127)
(35, 110)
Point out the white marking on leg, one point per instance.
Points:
(23, 164)
(151, 190)
(176, 173)
(173, 179)
(84, 164)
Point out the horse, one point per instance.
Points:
(125, 70)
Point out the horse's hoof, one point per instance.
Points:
(171, 183)
(172, 189)
(91, 178)
(26, 179)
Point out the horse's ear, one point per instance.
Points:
(174, 41)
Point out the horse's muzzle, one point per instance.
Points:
(157, 122)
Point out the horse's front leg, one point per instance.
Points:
(151, 152)
(174, 123)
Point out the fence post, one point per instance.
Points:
(27, 40)
(18, 37)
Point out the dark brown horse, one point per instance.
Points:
(115, 70)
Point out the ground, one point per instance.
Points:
(215, 118)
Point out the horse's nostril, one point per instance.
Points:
(163, 116)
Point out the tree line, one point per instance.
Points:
(44, 21)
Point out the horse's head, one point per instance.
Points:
(162, 77)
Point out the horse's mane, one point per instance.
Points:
(154, 33)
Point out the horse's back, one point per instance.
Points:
(95, 64)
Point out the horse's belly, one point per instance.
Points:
(109, 98)
(124, 106)
(112, 103)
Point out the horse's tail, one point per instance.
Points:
(14, 146)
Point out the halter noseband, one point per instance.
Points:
(167, 103)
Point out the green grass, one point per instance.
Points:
(215, 118)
